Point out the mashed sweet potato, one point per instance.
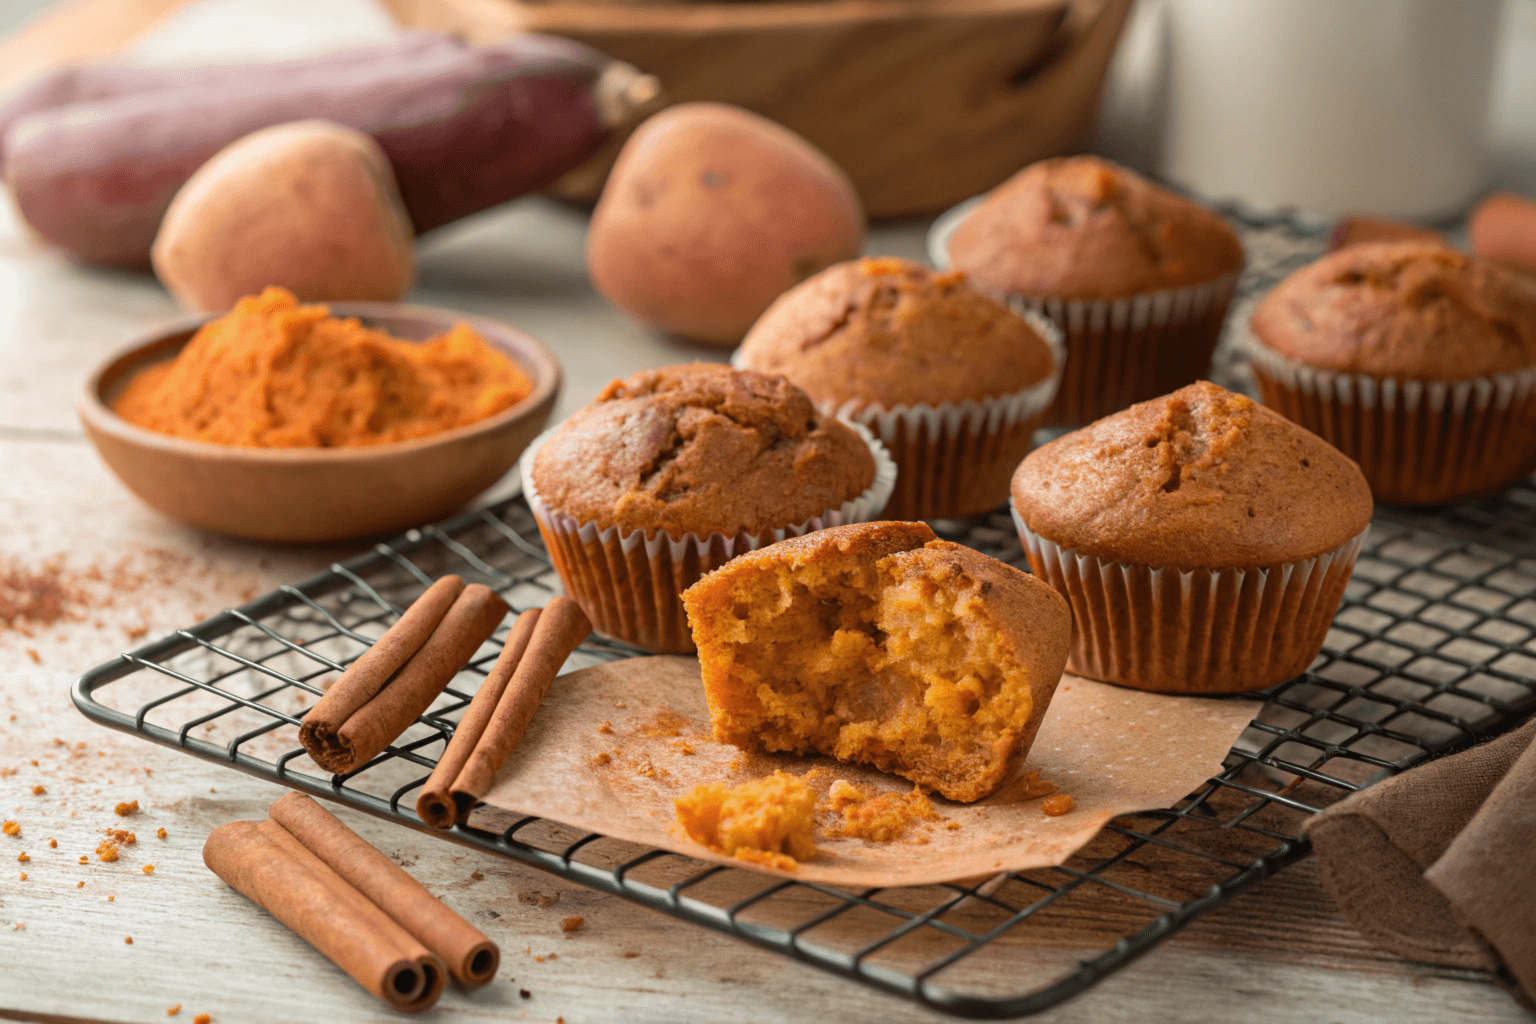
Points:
(274, 374)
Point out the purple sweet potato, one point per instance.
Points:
(91, 83)
(465, 128)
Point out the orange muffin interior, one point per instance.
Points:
(891, 653)
(767, 821)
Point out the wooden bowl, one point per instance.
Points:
(319, 494)
(921, 102)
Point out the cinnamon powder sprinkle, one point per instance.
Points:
(36, 658)
(1057, 804)
(126, 808)
(572, 924)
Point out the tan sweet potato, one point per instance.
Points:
(310, 206)
(710, 213)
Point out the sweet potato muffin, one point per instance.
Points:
(1203, 540)
(1080, 227)
(953, 382)
(878, 643)
(1416, 360)
(1138, 278)
(701, 449)
(675, 471)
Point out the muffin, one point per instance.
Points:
(877, 643)
(953, 382)
(1203, 541)
(673, 472)
(1415, 360)
(1137, 278)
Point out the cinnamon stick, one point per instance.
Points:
(472, 958)
(560, 628)
(366, 676)
(358, 739)
(366, 944)
(436, 806)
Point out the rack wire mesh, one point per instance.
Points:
(1432, 648)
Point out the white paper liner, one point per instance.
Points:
(1437, 396)
(1121, 351)
(1193, 631)
(609, 589)
(951, 458)
(1416, 441)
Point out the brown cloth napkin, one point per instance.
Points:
(1439, 864)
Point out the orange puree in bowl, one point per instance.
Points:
(274, 374)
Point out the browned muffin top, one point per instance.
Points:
(1199, 479)
(1414, 310)
(891, 332)
(1083, 228)
(701, 449)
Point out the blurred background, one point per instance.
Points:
(1408, 108)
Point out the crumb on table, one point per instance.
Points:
(148, 869)
(11, 828)
(159, 833)
(53, 844)
(173, 1011)
(39, 790)
(126, 808)
(23, 857)
(202, 1018)
(572, 924)
(767, 821)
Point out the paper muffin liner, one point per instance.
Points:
(1193, 631)
(1124, 351)
(1417, 442)
(956, 459)
(1119, 351)
(631, 584)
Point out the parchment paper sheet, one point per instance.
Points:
(1113, 750)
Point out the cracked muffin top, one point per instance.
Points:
(1083, 228)
(701, 449)
(891, 332)
(1199, 479)
(1414, 310)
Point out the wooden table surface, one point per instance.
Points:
(112, 573)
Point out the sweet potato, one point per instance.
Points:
(710, 213)
(90, 83)
(310, 206)
(465, 128)
(1503, 228)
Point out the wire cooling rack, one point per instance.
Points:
(1433, 648)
